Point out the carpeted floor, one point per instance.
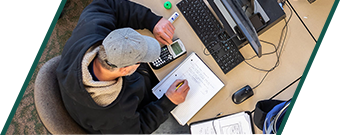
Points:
(26, 119)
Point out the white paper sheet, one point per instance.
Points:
(234, 124)
(203, 83)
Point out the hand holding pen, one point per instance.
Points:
(179, 85)
(178, 91)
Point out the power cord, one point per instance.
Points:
(264, 53)
(282, 40)
(278, 54)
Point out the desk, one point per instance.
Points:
(296, 53)
(315, 15)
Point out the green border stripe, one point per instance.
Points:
(26, 26)
(313, 109)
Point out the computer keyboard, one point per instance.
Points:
(209, 30)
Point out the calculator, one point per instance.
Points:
(168, 54)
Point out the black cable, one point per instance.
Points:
(276, 64)
(282, 91)
(261, 81)
(281, 41)
(274, 45)
(277, 55)
(264, 53)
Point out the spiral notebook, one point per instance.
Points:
(237, 123)
(203, 83)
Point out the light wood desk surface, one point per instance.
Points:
(296, 53)
(314, 15)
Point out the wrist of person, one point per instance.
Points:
(154, 20)
(166, 104)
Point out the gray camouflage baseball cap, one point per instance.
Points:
(126, 47)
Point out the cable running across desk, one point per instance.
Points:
(278, 54)
(218, 42)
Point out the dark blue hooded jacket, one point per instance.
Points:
(135, 110)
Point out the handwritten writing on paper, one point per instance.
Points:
(203, 83)
(234, 124)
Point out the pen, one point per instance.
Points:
(179, 85)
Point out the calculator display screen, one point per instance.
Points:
(176, 48)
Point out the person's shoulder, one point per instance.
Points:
(133, 78)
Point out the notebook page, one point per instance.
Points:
(234, 124)
(203, 84)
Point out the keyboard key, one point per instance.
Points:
(211, 34)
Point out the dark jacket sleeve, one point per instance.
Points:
(155, 114)
(151, 112)
(97, 20)
(115, 14)
(145, 121)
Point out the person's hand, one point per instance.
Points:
(164, 31)
(178, 96)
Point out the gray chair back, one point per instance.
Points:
(49, 104)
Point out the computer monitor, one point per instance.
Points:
(241, 24)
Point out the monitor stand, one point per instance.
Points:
(267, 13)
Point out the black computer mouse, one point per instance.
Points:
(242, 94)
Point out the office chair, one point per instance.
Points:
(48, 102)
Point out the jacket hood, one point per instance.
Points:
(69, 71)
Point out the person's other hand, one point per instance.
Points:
(178, 96)
(164, 31)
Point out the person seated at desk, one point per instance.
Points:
(104, 81)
